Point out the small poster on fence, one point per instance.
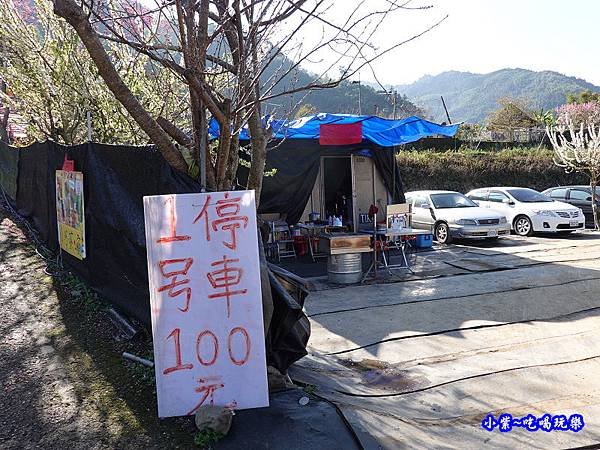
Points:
(206, 303)
(70, 212)
(398, 217)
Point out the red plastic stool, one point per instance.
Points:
(301, 245)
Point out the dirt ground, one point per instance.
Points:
(64, 383)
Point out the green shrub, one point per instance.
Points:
(468, 169)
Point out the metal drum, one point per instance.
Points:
(345, 268)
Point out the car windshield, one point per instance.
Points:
(528, 195)
(451, 200)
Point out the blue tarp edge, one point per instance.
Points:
(380, 131)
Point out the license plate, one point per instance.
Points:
(492, 233)
(574, 223)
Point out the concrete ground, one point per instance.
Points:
(485, 328)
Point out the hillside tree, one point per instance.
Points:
(512, 114)
(586, 96)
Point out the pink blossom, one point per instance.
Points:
(27, 10)
(586, 113)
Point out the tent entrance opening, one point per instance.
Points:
(337, 188)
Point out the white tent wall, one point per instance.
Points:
(367, 189)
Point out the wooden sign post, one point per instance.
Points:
(206, 302)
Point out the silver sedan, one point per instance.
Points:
(452, 215)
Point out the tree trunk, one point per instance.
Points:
(211, 182)
(77, 18)
(5, 116)
(203, 119)
(258, 135)
(595, 209)
(258, 142)
(232, 165)
(223, 152)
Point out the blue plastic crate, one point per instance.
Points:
(424, 241)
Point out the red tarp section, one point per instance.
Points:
(340, 134)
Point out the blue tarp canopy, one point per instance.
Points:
(379, 131)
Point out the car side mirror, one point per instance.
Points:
(507, 201)
(589, 199)
(425, 206)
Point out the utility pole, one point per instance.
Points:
(359, 99)
(446, 109)
(394, 94)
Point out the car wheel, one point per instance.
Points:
(442, 233)
(522, 226)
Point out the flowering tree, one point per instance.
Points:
(577, 149)
(579, 113)
(52, 82)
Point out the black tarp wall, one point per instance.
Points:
(115, 180)
(297, 163)
(9, 168)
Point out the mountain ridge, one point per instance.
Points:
(471, 97)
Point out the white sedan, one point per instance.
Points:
(529, 211)
(452, 215)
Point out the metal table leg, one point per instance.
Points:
(403, 251)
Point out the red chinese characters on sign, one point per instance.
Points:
(177, 267)
(174, 268)
(209, 341)
(173, 237)
(207, 387)
(224, 279)
(228, 218)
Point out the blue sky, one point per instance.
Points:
(485, 35)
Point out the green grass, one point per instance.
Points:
(207, 438)
(83, 295)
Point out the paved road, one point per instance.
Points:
(511, 327)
